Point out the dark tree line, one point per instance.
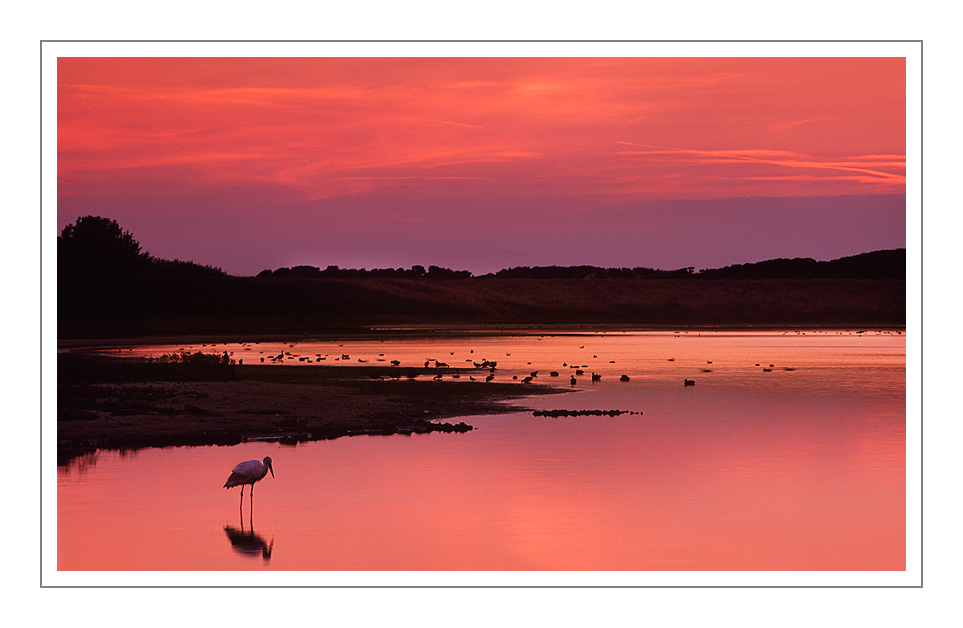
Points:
(96, 246)
(888, 264)
(590, 272)
(415, 272)
(520, 272)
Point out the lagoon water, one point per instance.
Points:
(787, 454)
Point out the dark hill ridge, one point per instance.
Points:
(887, 264)
(108, 288)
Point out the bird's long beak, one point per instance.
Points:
(271, 469)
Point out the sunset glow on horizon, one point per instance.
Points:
(486, 163)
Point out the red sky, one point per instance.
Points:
(486, 163)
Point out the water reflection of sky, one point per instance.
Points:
(783, 470)
(735, 358)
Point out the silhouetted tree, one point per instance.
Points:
(438, 272)
(179, 268)
(98, 246)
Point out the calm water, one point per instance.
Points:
(801, 467)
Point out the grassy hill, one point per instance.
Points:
(132, 306)
(108, 288)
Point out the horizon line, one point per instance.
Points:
(692, 269)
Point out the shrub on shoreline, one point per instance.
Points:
(201, 366)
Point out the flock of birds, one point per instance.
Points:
(252, 471)
(453, 372)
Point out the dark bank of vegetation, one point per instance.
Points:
(96, 246)
(109, 288)
(177, 367)
(889, 264)
(334, 272)
(108, 403)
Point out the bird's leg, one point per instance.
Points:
(250, 500)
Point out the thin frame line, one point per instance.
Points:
(920, 585)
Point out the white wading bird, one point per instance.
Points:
(249, 472)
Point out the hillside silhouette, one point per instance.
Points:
(887, 264)
(114, 289)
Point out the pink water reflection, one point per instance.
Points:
(791, 470)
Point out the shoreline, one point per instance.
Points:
(454, 330)
(109, 401)
(120, 403)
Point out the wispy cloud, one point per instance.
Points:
(318, 128)
(873, 169)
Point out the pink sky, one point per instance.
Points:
(486, 163)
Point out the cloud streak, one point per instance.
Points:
(883, 171)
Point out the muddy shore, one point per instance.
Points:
(117, 403)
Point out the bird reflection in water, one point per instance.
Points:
(247, 542)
